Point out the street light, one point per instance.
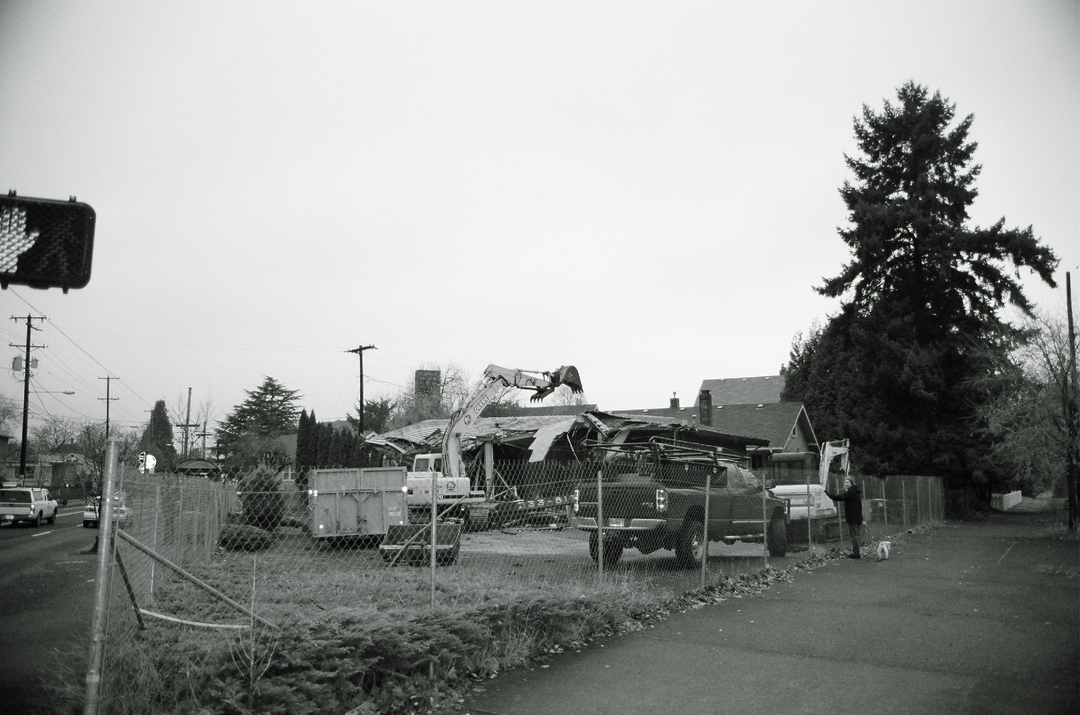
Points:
(53, 392)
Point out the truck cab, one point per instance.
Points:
(451, 491)
(796, 479)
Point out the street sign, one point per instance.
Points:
(45, 243)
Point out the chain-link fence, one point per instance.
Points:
(224, 598)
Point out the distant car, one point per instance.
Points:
(92, 512)
(30, 504)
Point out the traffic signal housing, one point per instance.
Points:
(45, 243)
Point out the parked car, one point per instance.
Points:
(92, 511)
(30, 504)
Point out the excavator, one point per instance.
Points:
(793, 476)
(449, 489)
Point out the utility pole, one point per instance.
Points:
(360, 352)
(188, 424)
(26, 393)
(1072, 420)
(108, 384)
(204, 434)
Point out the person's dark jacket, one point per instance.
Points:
(852, 498)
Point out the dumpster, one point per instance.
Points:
(356, 502)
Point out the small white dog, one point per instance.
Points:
(883, 550)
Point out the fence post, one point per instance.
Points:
(903, 499)
(918, 500)
(885, 505)
(434, 541)
(765, 522)
(181, 551)
(157, 514)
(101, 591)
(600, 522)
(705, 555)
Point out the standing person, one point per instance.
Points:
(852, 498)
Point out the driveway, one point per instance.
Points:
(966, 618)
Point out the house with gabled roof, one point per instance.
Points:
(744, 390)
(748, 406)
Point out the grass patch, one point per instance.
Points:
(363, 639)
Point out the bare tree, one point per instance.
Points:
(91, 441)
(563, 395)
(54, 433)
(1025, 410)
(412, 405)
(9, 413)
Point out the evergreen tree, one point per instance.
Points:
(892, 370)
(325, 435)
(157, 438)
(376, 415)
(305, 447)
(248, 433)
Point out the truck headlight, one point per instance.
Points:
(661, 500)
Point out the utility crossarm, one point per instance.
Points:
(498, 379)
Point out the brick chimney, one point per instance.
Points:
(705, 408)
(674, 402)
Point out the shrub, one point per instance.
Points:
(243, 537)
(261, 499)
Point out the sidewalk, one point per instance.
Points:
(966, 618)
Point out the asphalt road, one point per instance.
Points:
(967, 618)
(46, 593)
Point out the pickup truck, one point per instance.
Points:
(663, 507)
(30, 504)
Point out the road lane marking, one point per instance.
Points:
(40, 533)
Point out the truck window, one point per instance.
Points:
(742, 479)
(421, 465)
(789, 473)
(15, 496)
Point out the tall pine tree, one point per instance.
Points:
(892, 370)
(157, 438)
(248, 434)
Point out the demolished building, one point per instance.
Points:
(539, 456)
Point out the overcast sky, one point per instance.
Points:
(648, 191)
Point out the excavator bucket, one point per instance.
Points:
(567, 375)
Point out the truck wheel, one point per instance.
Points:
(36, 521)
(613, 549)
(466, 519)
(690, 548)
(52, 519)
(777, 536)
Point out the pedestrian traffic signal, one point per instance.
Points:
(45, 243)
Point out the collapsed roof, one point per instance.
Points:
(557, 437)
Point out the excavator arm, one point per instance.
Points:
(498, 379)
(830, 450)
